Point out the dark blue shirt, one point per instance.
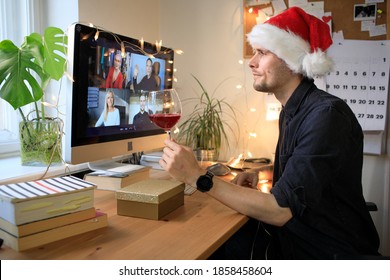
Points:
(317, 174)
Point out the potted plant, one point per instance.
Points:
(206, 126)
(25, 72)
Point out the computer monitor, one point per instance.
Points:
(92, 132)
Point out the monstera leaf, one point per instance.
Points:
(26, 71)
(55, 43)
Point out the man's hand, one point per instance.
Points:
(252, 176)
(247, 179)
(180, 162)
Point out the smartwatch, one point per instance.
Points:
(205, 182)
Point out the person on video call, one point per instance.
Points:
(315, 209)
(148, 82)
(115, 77)
(110, 115)
(156, 73)
(141, 119)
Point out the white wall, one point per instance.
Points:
(132, 18)
(211, 35)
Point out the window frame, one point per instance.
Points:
(17, 19)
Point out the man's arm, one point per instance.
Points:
(181, 163)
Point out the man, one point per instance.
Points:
(141, 119)
(316, 209)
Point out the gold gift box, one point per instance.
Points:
(150, 199)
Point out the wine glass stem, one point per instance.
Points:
(169, 134)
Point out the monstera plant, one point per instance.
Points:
(25, 72)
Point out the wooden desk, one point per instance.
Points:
(193, 231)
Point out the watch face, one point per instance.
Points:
(204, 183)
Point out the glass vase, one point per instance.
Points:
(40, 142)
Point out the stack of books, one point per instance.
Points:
(118, 177)
(39, 212)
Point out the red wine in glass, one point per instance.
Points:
(165, 121)
(166, 108)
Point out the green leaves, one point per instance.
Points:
(55, 43)
(26, 71)
(205, 127)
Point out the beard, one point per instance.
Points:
(263, 85)
(259, 86)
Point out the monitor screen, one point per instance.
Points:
(107, 114)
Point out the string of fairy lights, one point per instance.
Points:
(125, 44)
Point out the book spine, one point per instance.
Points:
(46, 237)
(46, 224)
(28, 211)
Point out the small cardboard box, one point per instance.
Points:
(150, 199)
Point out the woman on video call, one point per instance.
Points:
(110, 114)
(115, 77)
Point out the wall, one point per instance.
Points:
(132, 18)
(210, 33)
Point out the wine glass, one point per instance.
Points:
(166, 108)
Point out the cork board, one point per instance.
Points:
(342, 19)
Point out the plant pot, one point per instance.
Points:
(40, 142)
(206, 155)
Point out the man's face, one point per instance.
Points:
(269, 71)
(142, 103)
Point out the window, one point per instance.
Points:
(16, 21)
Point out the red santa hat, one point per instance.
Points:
(298, 38)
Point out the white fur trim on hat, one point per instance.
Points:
(291, 48)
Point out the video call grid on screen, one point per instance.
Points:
(97, 57)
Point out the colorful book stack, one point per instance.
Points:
(39, 212)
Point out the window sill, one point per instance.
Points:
(12, 171)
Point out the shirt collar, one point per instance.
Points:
(299, 94)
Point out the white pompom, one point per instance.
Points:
(316, 64)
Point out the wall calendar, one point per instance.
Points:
(361, 78)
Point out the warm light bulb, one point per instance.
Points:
(250, 10)
(69, 77)
(141, 42)
(158, 45)
(96, 35)
(123, 50)
(47, 104)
